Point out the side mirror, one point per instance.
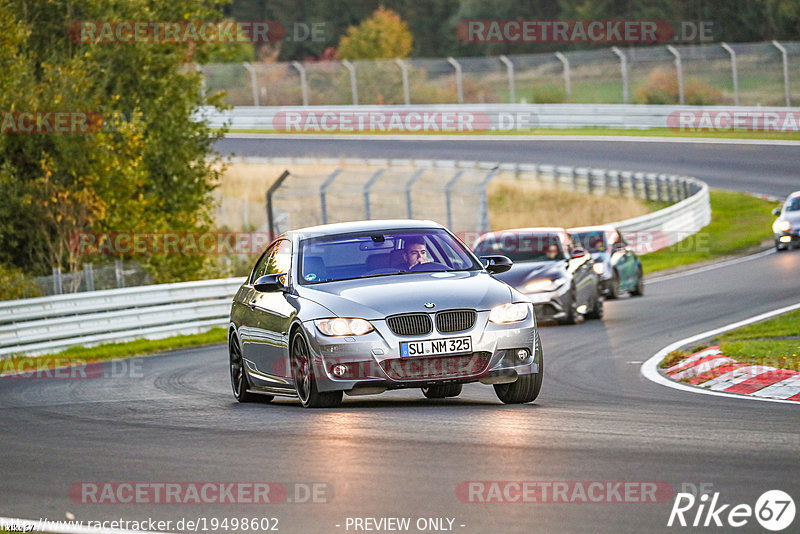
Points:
(496, 264)
(776, 211)
(618, 247)
(269, 283)
(578, 253)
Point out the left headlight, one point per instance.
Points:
(599, 268)
(343, 326)
(781, 226)
(509, 313)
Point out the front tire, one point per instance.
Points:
(527, 387)
(442, 391)
(597, 309)
(573, 317)
(613, 286)
(304, 379)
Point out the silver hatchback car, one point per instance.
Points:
(365, 307)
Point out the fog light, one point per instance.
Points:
(339, 370)
(522, 354)
(785, 239)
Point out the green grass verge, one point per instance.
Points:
(112, 351)
(652, 132)
(738, 222)
(774, 342)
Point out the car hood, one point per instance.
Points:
(523, 273)
(376, 298)
(793, 217)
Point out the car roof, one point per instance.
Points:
(362, 226)
(533, 230)
(596, 228)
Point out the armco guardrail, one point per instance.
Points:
(50, 324)
(494, 117)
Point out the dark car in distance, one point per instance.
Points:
(616, 264)
(555, 275)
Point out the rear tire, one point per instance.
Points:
(239, 382)
(441, 391)
(527, 387)
(305, 380)
(638, 291)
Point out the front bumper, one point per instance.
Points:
(785, 239)
(550, 305)
(373, 363)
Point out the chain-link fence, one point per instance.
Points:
(741, 74)
(92, 278)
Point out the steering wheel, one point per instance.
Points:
(430, 266)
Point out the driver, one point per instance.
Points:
(552, 252)
(415, 252)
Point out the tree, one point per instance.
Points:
(382, 36)
(144, 170)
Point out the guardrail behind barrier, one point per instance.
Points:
(496, 117)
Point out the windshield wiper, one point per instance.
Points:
(383, 274)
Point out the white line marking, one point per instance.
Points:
(470, 137)
(720, 265)
(60, 527)
(650, 368)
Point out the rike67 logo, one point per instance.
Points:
(774, 510)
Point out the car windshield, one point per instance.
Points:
(793, 204)
(590, 241)
(520, 247)
(381, 253)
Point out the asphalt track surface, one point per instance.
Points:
(400, 455)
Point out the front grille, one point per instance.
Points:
(451, 321)
(433, 367)
(411, 324)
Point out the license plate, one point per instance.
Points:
(436, 347)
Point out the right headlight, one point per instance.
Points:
(343, 326)
(509, 313)
(544, 285)
(781, 225)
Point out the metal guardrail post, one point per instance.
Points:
(734, 72)
(786, 88)
(57, 288)
(459, 79)
(88, 273)
(512, 92)
(404, 70)
(270, 213)
(409, 184)
(447, 190)
(353, 82)
(567, 78)
(323, 189)
(483, 210)
(119, 273)
(199, 70)
(303, 80)
(623, 67)
(679, 68)
(374, 178)
(253, 82)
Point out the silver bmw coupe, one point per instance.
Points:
(365, 307)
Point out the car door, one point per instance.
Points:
(264, 332)
(626, 262)
(582, 274)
